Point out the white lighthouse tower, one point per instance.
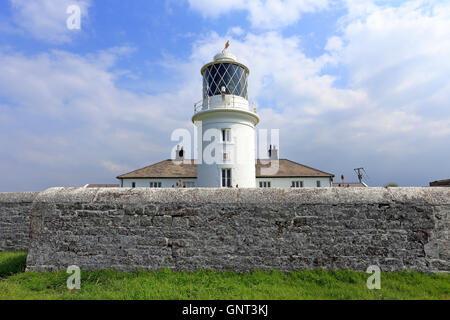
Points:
(226, 125)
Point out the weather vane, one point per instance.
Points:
(226, 46)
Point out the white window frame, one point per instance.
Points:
(226, 178)
(155, 184)
(297, 184)
(226, 135)
(265, 184)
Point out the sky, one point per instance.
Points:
(347, 83)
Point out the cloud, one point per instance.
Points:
(114, 168)
(64, 121)
(397, 56)
(262, 14)
(46, 19)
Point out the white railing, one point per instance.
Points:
(227, 103)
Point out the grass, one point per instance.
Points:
(12, 263)
(165, 284)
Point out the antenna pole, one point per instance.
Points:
(358, 172)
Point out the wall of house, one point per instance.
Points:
(275, 182)
(241, 229)
(287, 182)
(165, 183)
(15, 211)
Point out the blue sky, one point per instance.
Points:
(348, 83)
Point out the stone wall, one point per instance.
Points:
(241, 229)
(15, 220)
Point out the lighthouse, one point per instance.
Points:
(225, 122)
(225, 148)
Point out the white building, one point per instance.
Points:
(226, 154)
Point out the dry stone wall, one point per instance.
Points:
(15, 220)
(241, 229)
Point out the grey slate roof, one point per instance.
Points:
(440, 183)
(188, 169)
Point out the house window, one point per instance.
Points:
(297, 184)
(155, 184)
(226, 177)
(226, 135)
(318, 183)
(133, 184)
(264, 184)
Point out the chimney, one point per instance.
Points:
(273, 152)
(179, 154)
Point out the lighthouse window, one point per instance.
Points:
(228, 75)
(226, 135)
(226, 177)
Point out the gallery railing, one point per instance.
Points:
(228, 102)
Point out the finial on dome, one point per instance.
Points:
(225, 55)
(226, 46)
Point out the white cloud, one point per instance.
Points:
(262, 14)
(114, 168)
(46, 19)
(334, 44)
(238, 31)
(398, 55)
(63, 116)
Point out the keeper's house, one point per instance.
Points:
(167, 174)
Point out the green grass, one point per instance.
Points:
(11, 263)
(165, 284)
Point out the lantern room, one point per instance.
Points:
(225, 76)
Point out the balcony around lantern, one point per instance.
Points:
(224, 102)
